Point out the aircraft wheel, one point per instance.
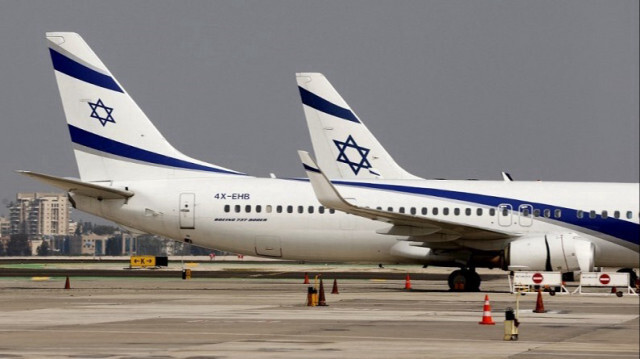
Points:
(456, 281)
(474, 281)
(464, 280)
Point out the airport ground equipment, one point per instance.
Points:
(511, 325)
(529, 281)
(605, 280)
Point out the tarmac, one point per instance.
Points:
(261, 315)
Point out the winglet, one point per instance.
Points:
(507, 177)
(326, 193)
(328, 196)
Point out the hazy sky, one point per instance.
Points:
(453, 89)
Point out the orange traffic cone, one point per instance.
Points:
(407, 282)
(67, 285)
(322, 302)
(539, 304)
(335, 287)
(306, 278)
(487, 319)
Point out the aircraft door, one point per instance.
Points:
(505, 214)
(526, 215)
(187, 211)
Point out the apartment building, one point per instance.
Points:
(40, 215)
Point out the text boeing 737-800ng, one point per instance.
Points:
(131, 175)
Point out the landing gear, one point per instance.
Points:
(464, 280)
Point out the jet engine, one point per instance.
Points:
(563, 252)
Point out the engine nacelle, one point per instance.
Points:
(563, 252)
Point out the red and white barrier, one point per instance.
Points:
(525, 281)
(605, 279)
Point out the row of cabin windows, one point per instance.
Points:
(603, 214)
(278, 209)
(557, 213)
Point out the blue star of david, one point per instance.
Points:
(356, 166)
(105, 110)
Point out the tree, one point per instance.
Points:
(18, 245)
(43, 249)
(151, 245)
(102, 229)
(114, 246)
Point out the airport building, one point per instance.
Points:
(40, 215)
(5, 227)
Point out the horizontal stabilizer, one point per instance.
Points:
(79, 187)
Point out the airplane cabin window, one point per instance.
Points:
(401, 209)
(279, 209)
(237, 208)
(445, 211)
(557, 213)
(547, 213)
(424, 211)
(227, 208)
(467, 211)
(629, 214)
(434, 210)
(479, 212)
(310, 209)
(616, 214)
(321, 209)
(492, 212)
(332, 211)
(247, 208)
(379, 208)
(536, 212)
(268, 208)
(579, 214)
(390, 209)
(456, 211)
(592, 214)
(258, 208)
(300, 209)
(505, 211)
(605, 214)
(289, 209)
(413, 210)
(525, 212)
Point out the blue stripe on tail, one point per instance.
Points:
(107, 145)
(312, 100)
(81, 72)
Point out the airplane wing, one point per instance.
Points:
(430, 230)
(79, 187)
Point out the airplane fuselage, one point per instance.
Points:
(282, 218)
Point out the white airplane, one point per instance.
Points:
(131, 175)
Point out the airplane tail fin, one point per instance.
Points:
(112, 138)
(343, 145)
